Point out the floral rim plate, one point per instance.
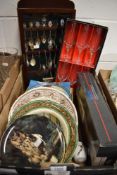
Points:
(33, 140)
(62, 86)
(47, 92)
(54, 106)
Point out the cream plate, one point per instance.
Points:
(32, 140)
(55, 116)
(26, 109)
(47, 92)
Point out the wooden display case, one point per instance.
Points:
(42, 25)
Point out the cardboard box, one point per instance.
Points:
(99, 119)
(16, 91)
(103, 76)
(9, 83)
(0, 102)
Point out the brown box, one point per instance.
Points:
(16, 91)
(9, 83)
(88, 140)
(0, 102)
(94, 116)
(103, 76)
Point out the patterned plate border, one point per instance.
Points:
(49, 104)
(48, 92)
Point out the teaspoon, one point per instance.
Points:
(32, 61)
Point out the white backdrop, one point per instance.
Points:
(102, 12)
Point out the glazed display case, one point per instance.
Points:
(42, 25)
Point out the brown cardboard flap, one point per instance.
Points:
(9, 83)
(0, 102)
(16, 91)
(103, 76)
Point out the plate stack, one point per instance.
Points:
(42, 129)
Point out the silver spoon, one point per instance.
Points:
(31, 24)
(62, 22)
(25, 40)
(24, 25)
(50, 24)
(37, 24)
(50, 61)
(32, 61)
(44, 20)
(39, 61)
(27, 62)
(30, 42)
(50, 41)
(44, 67)
(38, 42)
(43, 39)
(54, 60)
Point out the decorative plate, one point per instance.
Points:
(33, 140)
(47, 92)
(29, 107)
(62, 86)
(54, 115)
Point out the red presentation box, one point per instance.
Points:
(81, 49)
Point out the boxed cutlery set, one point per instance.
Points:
(99, 120)
(57, 120)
